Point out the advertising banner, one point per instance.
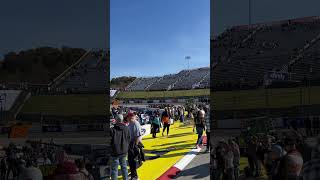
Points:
(19, 131)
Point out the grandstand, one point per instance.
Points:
(266, 70)
(141, 84)
(184, 80)
(192, 79)
(11, 101)
(7, 98)
(245, 55)
(74, 100)
(88, 74)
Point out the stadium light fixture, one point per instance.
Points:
(188, 59)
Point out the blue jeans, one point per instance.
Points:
(115, 161)
(200, 133)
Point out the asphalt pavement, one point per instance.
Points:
(198, 168)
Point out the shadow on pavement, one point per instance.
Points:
(198, 172)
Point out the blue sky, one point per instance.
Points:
(33, 23)
(150, 38)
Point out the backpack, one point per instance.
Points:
(165, 119)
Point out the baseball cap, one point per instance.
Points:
(130, 114)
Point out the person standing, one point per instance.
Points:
(3, 168)
(236, 158)
(207, 120)
(252, 156)
(155, 123)
(291, 164)
(120, 139)
(165, 119)
(181, 114)
(229, 163)
(136, 137)
(276, 155)
(219, 166)
(311, 168)
(199, 124)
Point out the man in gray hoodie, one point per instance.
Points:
(120, 139)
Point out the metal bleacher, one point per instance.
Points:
(87, 76)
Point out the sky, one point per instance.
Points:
(227, 13)
(153, 37)
(33, 23)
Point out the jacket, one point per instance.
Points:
(120, 139)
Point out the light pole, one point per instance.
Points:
(188, 58)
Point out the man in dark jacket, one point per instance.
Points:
(254, 165)
(120, 139)
(199, 124)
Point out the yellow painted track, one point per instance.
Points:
(181, 140)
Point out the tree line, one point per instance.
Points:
(38, 65)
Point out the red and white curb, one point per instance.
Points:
(181, 164)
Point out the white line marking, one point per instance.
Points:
(187, 159)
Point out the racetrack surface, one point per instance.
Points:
(164, 152)
(198, 168)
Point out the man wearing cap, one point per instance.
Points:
(136, 136)
(120, 139)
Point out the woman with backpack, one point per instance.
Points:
(165, 119)
(155, 124)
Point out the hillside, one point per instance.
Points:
(121, 82)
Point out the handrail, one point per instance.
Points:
(70, 67)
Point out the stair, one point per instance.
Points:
(172, 85)
(301, 52)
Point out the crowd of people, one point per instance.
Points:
(126, 142)
(287, 155)
(37, 161)
(126, 136)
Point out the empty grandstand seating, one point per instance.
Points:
(142, 83)
(8, 98)
(185, 79)
(244, 55)
(87, 76)
(166, 81)
(205, 82)
(191, 78)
